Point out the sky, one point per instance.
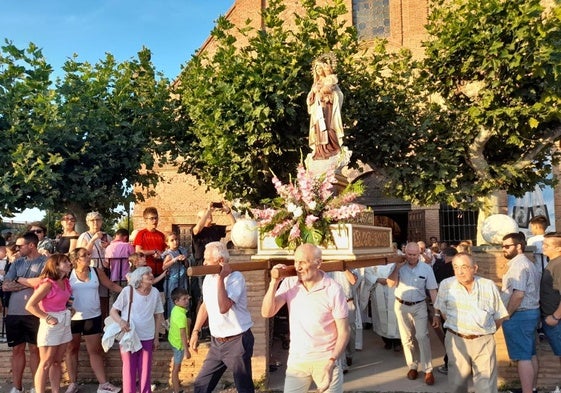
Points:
(172, 29)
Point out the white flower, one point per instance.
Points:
(291, 207)
(298, 212)
(312, 205)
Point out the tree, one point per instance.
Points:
(479, 113)
(82, 144)
(493, 72)
(244, 107)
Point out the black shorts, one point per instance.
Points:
(87, 327)
(21, 329)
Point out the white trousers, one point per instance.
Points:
(413, 329)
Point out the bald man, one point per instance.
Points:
(319, 326)
(412, 280)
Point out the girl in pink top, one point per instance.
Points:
(49, 303)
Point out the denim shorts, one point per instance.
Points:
(178, 355)
(553, 334)
(520, 334)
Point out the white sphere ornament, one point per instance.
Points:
(496, 226)
(244, 233)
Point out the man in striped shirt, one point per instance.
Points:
(472, 309)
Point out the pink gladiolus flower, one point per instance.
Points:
(294, 232)
(280, 228)
(307, 199)
(310, 219)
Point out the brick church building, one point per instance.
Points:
(401, 22)
(179, 197)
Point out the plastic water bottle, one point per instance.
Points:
(557, 390)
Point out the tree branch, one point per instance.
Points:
(476, 159)
(527, 159)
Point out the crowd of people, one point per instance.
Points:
(56, 293)
(60, 293)
(438, 286)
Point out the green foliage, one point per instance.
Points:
(244, 109)
(495, 68)
(84, 142)
(480, 112)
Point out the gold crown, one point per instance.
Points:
(327, 58)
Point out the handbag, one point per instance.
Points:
(109, 320)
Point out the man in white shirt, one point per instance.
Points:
(412, 280)
(229, 321)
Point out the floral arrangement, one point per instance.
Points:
(305, 208)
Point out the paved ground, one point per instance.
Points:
(374, 369)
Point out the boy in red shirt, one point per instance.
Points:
(151, 242)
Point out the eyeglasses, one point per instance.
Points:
(507, 246)
(94, 219)
(37, 231)
(151, 218)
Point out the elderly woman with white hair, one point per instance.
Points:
(95, 241)
(139, 307)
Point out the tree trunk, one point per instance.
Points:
(490, 205)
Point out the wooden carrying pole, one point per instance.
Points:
(333, 266)
(328, 266)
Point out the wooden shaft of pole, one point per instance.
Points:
(239, 266)
(328, 266)
(332, 266)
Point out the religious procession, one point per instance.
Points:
(331, 196)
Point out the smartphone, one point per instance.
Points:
(217, 205)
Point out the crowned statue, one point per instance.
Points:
(324, 102)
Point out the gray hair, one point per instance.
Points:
(93, 215)
(135, 277)
(218, 250)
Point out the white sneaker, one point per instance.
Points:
(72, 388)
(15, 390)
(107, 387)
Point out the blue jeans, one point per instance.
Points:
(553, 334)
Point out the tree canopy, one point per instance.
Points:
(80, 142)
(245, 107)
(493, 71)
(478, 113)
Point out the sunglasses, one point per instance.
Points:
(37, 231)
